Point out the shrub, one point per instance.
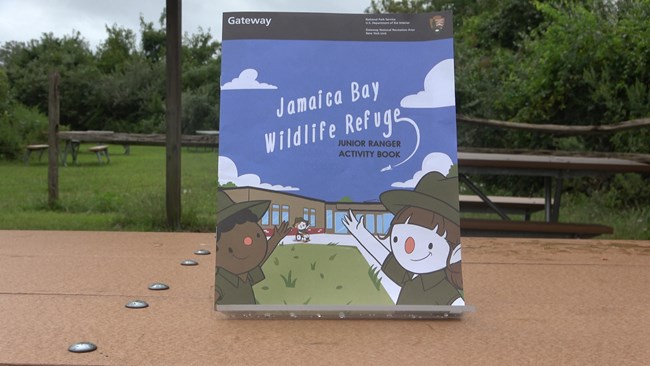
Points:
(10, 142)
(20, 126)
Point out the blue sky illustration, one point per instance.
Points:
(414, 77)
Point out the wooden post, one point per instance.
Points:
(173, 114)
(53, 150)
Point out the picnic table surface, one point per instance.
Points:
(538, 301)
(547, 166)
(151, 139)
(517, 163)
(207, 132)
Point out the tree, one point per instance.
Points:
(4, 91)
(28, 65)
(462, 9)
(579, 62)
(132, 99)
(19, 125)
(117, 50)
(153, 40)
(199, 49)
(201, 68)
(587, 64)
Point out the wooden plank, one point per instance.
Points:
(471, 203)
(173, 113)
(138, 138)
(556, 301)
(550, 162)
(485, 227)
(558, 129)
(53, 114)
(641, 158)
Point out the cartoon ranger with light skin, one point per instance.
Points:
(421, 251)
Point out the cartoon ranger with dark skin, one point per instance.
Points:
(421, 251)
(242, 248)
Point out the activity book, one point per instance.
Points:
(338, 177)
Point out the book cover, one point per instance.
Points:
(338, 183)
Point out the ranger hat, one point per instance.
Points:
(226, 207)
(434, 192)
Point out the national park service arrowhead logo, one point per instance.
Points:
(437, 23)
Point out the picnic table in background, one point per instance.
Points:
(549, 167)
(208, 133)
(29, 149)
(127, 139)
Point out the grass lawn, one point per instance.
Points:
(127, 194)
(312, 274)
(629, 223)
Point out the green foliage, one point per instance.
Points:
(577, 63)
(199, 48)
(582, 66)
(574, 63)
(10, 142)
(116, 51)
(626, 190)
(4, 91)
(119, 87)
(562, 62)
(20, 126)
(146, 212)
(344, 281)
(403, 6)
(201, 89)
(28, 66)
(508, 24)
(153, 40)
(31, 125)
(462, 9)
(131, 100)
(602, 206)
(373, 273)
(288, 281)
(95, 195)
(198, 112)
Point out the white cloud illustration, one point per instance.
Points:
(439, 90)
(228, 174)
(434, 162)
(247, 79)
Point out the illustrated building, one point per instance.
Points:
(322, 216)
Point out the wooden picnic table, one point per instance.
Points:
(538, 301)
(207, 132)
(150, 139)
(213, 133)
(547, 166)
(73, 138)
